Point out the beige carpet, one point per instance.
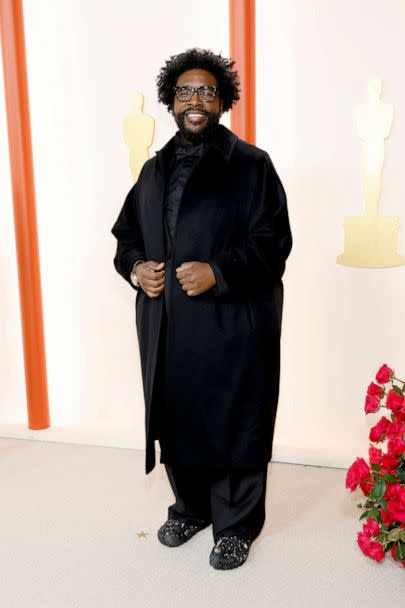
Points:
(70, 516)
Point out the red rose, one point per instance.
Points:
(378, 431)
(394, 401)
(369, 547)
(395, 490)
(396, 446)
(367, 484)
(401, 414)
(375, 390)
(358, 471)
(384, 374)
(389, 463)
(387, 518)
(371, 404)
(374, 455)
(396, 509)
(395, 428)
(396, 502)
(371, 528)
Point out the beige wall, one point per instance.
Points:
(340, 323)
(313, 63)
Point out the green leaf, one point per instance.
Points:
(400, 552)
(372, 513)
(383, 503)
(393, 417)
(402, 535)
(376, 467)
(378, 491)
(401, 473)
(389, 478)
(397, 389)
(394, 534)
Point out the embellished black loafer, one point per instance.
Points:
(175, 532)
(230, 552)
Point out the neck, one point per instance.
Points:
(205, 137)
(186, 141)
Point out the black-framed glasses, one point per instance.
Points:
(205, 93)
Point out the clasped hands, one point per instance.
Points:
(194, 277)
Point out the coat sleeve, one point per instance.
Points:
(261, 256)
(220, 286)
(127, 231)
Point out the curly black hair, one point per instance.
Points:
(203, 59)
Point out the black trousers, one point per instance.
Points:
(233, 502)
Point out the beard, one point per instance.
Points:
(203, 134)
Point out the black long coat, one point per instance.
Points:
(222, 357)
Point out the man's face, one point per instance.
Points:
(195, 118)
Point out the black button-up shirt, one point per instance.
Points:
(185, 158)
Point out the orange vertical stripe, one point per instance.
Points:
(242, 50)
(25, 223)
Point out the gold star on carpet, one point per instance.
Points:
(142, 534)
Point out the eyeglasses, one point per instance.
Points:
(205, 92)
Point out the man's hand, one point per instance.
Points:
(151, 276)
(195, 277)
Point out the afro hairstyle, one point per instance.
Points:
(203, 59)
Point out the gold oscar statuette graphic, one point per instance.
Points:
(138, 130)
(371, 239)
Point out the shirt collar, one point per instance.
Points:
(182, 148)
(223, 142)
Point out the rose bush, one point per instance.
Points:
(382, 479)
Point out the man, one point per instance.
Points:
(203, 237)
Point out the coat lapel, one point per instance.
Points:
(163, 160)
